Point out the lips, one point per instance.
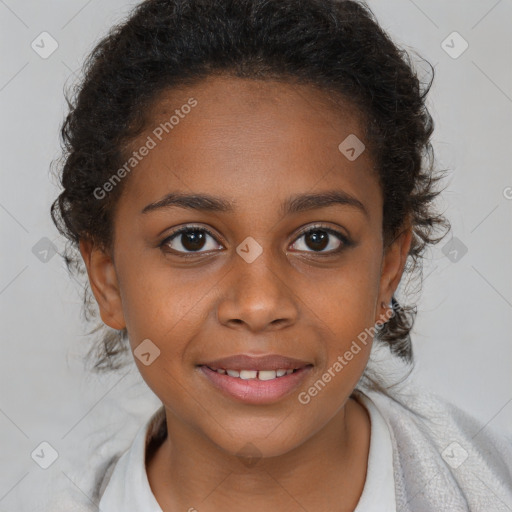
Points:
(256, 380)
(260, 363)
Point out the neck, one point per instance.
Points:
(326, 472)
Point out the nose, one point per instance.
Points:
(258, 296)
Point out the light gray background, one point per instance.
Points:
(462, 336)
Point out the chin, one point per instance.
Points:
(261, 439)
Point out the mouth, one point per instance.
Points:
(255, 374)
(256, 380)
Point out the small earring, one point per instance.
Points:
(386, 308)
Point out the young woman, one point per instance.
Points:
(246, 183)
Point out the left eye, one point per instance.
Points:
(320, 238)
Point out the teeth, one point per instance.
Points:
(256, 374)
(266, 374)
(248, 374)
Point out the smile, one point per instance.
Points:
(256, 386)
(255, 374)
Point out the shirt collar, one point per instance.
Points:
(128, 488)
(379, 487)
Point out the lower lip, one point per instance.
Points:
(255, 391)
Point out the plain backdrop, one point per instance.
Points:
(462, 340)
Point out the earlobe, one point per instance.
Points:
(393, 265)
(104, 284)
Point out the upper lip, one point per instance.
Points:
(247, 362)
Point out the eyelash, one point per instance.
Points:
(318, 227)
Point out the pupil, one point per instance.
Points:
(192, 240)
(319, 240)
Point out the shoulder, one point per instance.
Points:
(114, 475)
(443, 453)
(421, 413)
(78, 489)
(79, 483)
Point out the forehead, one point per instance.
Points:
(250, 140)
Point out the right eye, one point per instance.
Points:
(188, 240)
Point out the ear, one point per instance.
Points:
(392, 268)
(104, 284)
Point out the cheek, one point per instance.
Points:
(166, 312)
(162, 305)
(346, 306)
(346, 301)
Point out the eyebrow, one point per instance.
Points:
(295, 204)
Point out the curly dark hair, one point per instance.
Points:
(336, 45)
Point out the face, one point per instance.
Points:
(264, 271)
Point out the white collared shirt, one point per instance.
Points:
(128, 489)
(379, 488)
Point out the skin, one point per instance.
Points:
(254, 143)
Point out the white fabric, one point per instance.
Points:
(427, 434)
(129, 490)
(425, 430)
(379, 488)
